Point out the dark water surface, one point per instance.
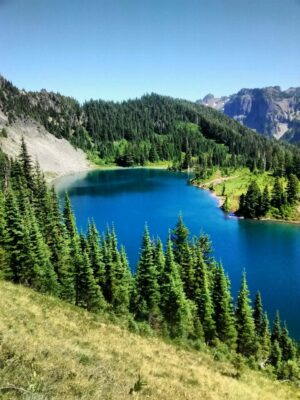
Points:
(269, 252)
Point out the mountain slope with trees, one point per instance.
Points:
(179, 292)
(153, 128)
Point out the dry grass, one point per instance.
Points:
(50, 350)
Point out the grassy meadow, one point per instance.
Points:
(52, 350)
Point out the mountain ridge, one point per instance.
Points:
(269, 111)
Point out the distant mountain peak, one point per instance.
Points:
(270, 111)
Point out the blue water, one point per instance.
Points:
(269, 252)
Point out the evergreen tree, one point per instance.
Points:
(176, 310)
(44, 278)
(265, 341)
(88, 293)
(246, 343)
(3, 253)
(69, 218)
(292, 189)
(15, 240)
(147, 288)
(59, 245)
(95, 255)
(258, 315)
(286, 344)
(275, 355)
(159, 260)
(203, 299)
(278, 194)
(223, 309)
(251, 207)
(118, 282)
(26, 165)
(265, 201)
(276, 331)
(180, 236)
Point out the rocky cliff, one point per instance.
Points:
(47, 121)
(269, 111)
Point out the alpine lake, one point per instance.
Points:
(269, 252)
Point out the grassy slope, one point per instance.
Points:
(55, 351)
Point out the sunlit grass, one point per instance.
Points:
(51, 350)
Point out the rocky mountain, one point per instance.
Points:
(47, 121)
(269, 111)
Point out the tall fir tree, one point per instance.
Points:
(95, 255)
(147, 287)
(26, 165)
(203, 298)
(175, 307)
(223, 309)
(258, 315)
(276, 331)
(246, 340)
(88, 293)
(292, 189)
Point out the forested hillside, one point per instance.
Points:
(153, 128)
(179, 291)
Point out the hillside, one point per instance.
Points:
(269, 111)
(151, 129)
(55, 154)
(74, 354)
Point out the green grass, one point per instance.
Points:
(52, 350)
(236, 182)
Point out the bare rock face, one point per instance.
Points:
(47, 122)
(269, 111)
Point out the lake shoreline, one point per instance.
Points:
(221, 201)
(110, 167)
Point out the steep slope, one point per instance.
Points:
(269, 111)
(55, 154)
(150, 129)
(51, 350)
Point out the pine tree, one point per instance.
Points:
(258, 315)
(118, 282)
(252, 202)
(159, 260)
(4, 266)
(175, 307)
(26, 165)
(286, 344)
(69, 217)
(278, 194)
(203, 299)
(292, 189)
(265, 342)
(15, 240)
(88, 293)
(95, 255)
(44, 278)
(223, 309)
(246, 342)
(180, 236)
(59, 245)
(147, 288)
(40, 198)
(265, 201)
(275, 355)
(276, 331)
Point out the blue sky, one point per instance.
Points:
(119, 49)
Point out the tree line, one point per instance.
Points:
(279, 200)
(150, 129)
(179, 290)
